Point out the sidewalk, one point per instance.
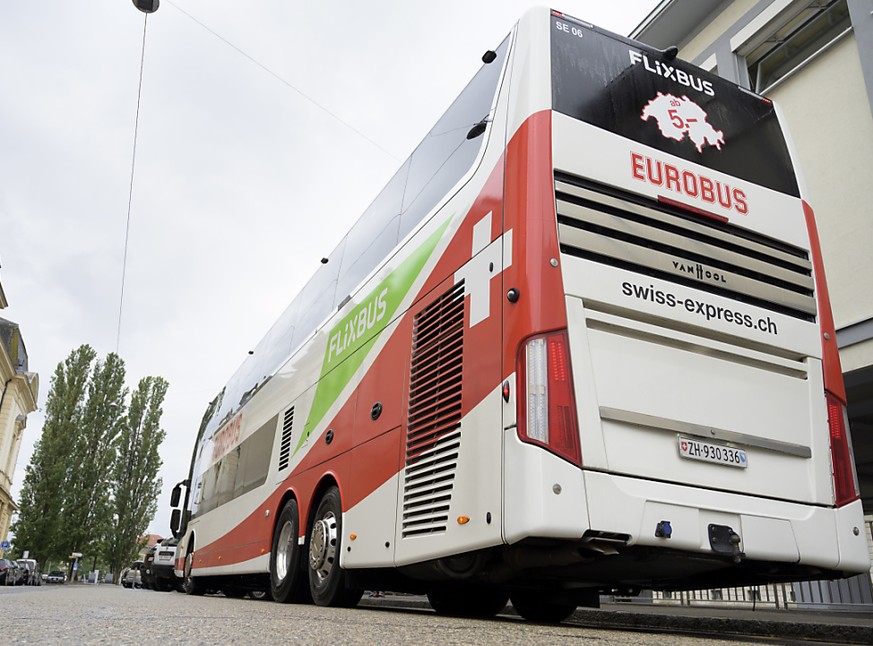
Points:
(837, 627)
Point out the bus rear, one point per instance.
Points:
(694, 402)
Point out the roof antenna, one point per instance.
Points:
(670, 53)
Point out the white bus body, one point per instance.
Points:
(584, 345)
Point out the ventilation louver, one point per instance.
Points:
(285, 445)
(433, 431)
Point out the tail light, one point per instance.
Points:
(547, 408)
(845, 478)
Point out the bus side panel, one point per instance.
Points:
(530, 215)
(252, 538)
(544, 495)
(454, 384)
(369, 520)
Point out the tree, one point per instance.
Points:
(91, 485)
(41, 502)
(135, 480)
(87, 512)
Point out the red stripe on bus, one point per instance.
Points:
(693, 209)
(833, 371)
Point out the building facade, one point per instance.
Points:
(19, 389)
(814, 59)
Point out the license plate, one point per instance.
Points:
(717, 453)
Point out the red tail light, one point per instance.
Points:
(845, 479)
(547, 408)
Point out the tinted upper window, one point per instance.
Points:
(608, 81)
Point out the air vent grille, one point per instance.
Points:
(624, 230)
(285, 444)
(433, 436)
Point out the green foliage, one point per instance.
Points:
(92, 482)
(42, 492)
(92, 449)
(135, 473)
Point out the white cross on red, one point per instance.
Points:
(487, 260)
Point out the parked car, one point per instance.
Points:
(15, 574)
(32, 573)
(163, 574)
(7, 573)
(56, 576)
(132, 578)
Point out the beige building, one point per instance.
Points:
(18, 393)
(815, 60)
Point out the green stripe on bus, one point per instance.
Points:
(350, 341)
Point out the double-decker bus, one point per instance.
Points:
(581, 342)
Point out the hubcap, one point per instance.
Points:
(322, 546)
(283, 551)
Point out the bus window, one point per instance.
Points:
(445, 154)
(373, 236)
(609, 95)
(318, 298)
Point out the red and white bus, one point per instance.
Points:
(581, 342)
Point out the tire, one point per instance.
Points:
(531, 605)
(467, 600)
(165, 585)
(328, 582)
(287, 583)
(190, 583)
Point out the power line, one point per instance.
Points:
(130, 191)
(285, 82)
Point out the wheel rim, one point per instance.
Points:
(189, 561)
(322, 546)
(284, 550)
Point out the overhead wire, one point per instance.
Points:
(130, 190)
(136, 132)
(284, 81)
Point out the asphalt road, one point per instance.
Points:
(107, 614)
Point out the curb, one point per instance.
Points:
(836, 633)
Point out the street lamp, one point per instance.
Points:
(147, 6)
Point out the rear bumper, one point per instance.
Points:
(770, 530)
(163, 571)
(612, 519)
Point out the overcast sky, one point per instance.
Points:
(242, 182)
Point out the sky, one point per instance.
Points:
(265, 129)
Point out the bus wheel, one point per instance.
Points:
(190, 583)
(467, 600)
(327, 580)
(286, 585)
(533, 606)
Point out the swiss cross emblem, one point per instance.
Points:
(487, 260)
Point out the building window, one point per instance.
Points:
(795, 41)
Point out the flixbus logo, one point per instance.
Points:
(350, 341)
(671, 72)
(364, 318)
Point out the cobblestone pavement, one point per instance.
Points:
(107, 614)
